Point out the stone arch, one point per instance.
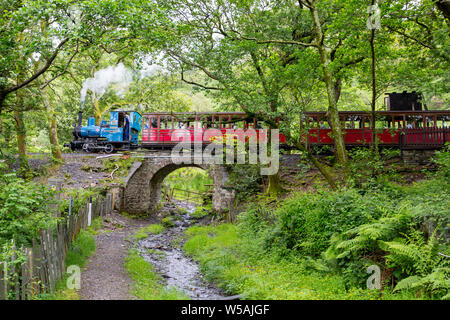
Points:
(142, 191)
(157, 180)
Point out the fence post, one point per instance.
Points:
(5, 286)
(56, 185)
(70, 206)
(89, 218)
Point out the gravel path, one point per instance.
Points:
(105, 277)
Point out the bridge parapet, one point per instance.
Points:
(142, 190)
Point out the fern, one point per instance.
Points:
(402, 247)
(437, 282)
(407, 283)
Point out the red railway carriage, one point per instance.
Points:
(358, 132)
(161, 130)
(168, 129)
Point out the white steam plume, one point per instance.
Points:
(103, 78)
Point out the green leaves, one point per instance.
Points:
(24, 209)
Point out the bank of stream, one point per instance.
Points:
(164, 252)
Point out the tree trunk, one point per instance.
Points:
(52, 128)
(311, 158)
(274, 188)
(331, 89)
(21, 142)
(374, 89)
(444, 7)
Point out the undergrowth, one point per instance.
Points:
(147, 283)
(319, 245)
(82, 248)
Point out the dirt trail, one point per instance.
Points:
(105, 277)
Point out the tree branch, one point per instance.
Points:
(197, 84)
(277, 41)
(65, 68)
(39, 72)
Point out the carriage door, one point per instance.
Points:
(152, 128)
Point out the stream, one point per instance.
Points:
(164, 252)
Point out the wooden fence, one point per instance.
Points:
(424, 138)
(170, 194)
(43, 264)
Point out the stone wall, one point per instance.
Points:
(417, 157)
(142, 191)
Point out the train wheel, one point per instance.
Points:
(89, 148)
(109, 148)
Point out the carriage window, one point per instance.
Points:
(429, 121)
(165, 123)
(178, 125)
(154, 123)
(223, 125)
(365, 122)
(311, 122)
(205, 123)
(358, 121)
(238, 124)
(398, 122)
(261, 125)
(413, 121)
(121, 119)
(444, 121)
(381, 122)
(349, 123)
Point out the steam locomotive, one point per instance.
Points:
(121, 132)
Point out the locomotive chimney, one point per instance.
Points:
(80, 117)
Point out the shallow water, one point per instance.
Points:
(168, 259)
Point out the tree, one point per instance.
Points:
(52, 32)
(239, 70)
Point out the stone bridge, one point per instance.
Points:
(142, 191)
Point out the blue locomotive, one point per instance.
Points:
(121, 132)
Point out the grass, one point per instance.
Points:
(95, 226)
(200, 212)
(146, 231)
(167, 222)
(147, 283)
(138, 216)
(82, 248)
(154, 228)
(239, 267)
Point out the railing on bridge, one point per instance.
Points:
(424, 138)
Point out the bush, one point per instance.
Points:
(442, 158)
(306, 222)
(346, 231)
(245, 180)
(24, 209)
(231, 258)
